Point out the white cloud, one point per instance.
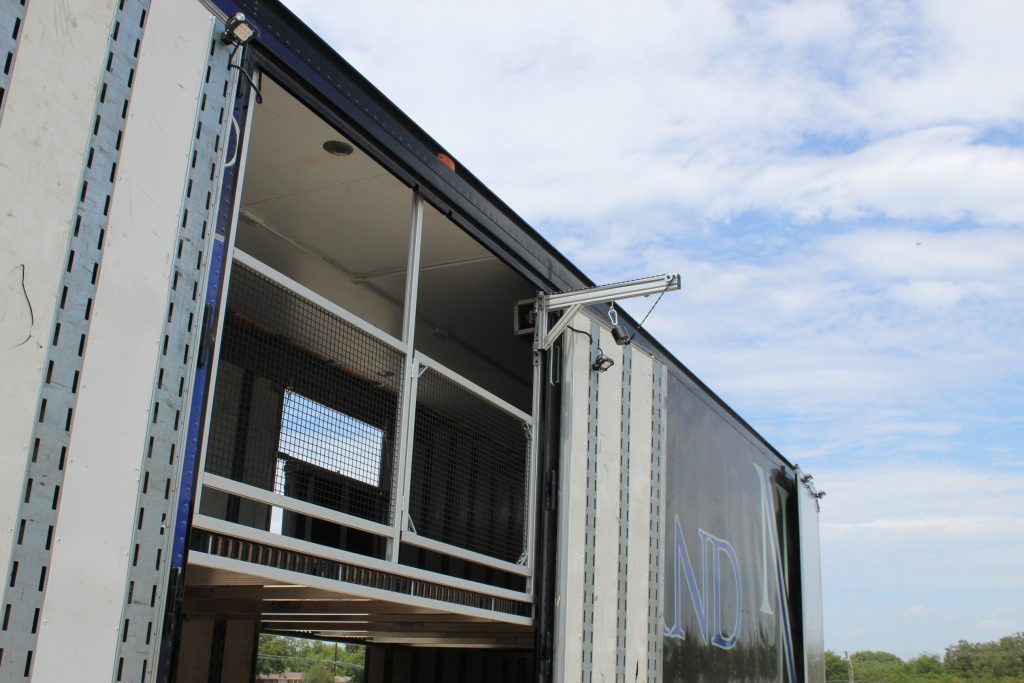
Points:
(582, 110)
(920, 253)
(807, 21)
(840, 185)
(934, 173)
(865, 326)
(918, 612)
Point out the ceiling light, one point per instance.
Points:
(338, 148)
(238, 30)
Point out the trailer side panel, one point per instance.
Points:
(730, 548)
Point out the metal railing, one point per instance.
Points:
(469, 471)
(305, 434)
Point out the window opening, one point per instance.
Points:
(328, 439)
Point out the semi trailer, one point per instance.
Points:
(275, 363)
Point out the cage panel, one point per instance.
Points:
(470, 469)
(306, 404)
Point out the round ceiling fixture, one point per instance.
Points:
(338, 148)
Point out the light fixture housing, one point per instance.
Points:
(602, 362)
(338, 148)
(619, 334)
(238, 30)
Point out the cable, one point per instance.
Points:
(630, 340)
(582, 332)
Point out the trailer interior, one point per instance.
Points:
(368, 469)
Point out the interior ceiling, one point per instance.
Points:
(356, 215)
(348, 208)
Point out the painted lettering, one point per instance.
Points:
(684, 570)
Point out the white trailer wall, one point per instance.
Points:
(99, 142)
(46, 120)
(124, 341)
(605, 510)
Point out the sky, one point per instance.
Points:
(841, 186)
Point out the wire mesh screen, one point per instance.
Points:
(470, 461)
(306, 405)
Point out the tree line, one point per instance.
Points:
(320, 661)
(997, 661)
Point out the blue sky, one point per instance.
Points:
(841, 186)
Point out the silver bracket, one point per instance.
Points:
(573, 302)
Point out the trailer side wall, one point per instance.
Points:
(731, 608)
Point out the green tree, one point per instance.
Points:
(877, 667)
(1003, 658)
(835, 667)
(926, 664)
(276, 654)
(319, 674)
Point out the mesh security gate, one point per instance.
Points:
(470, 469)
(306, 430)
(306, 405)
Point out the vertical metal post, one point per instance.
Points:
(530, 551)
(545, 558)
(407, 404)
(412, 279)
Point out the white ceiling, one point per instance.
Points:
(355, 215)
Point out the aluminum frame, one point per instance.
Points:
(282, 576)
(408, 532)
(412, 538)
(254, 493)
(308, 547)
(407, 406)
(310, 295)
(400, 532)
(573, 302)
